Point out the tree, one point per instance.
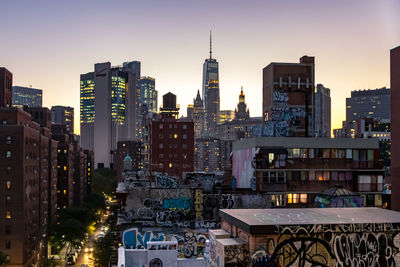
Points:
(67, 233)
(49, 262)
(104, 181)
(3, 258)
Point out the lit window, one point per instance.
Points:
(184, 127)
(8, 199)
(161, 146)
(175, 136)
(8, 184)
(170, 165)
(8, 140)
(65, 192)
(8, 154)
(303, 198)
(161, 126)
(8, 214)
(65, 168)
(184, 136)
(290, 198)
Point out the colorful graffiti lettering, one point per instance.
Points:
(198, 204)
(165, 181)
(132, 238)
(182, 203)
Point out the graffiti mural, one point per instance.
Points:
(338, 202)
(190, 244)
(189, 208)
(237, 255)
(323, 245)
(181, 203)
(198, 204)
(165, 181)
(132, 238)
(286, 119)
(366, 249)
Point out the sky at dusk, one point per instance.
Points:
(48, 44)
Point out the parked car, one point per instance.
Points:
(71, 260)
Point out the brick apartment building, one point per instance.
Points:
(6, 79)
(89, 165)
(288, 90)
(26, 175)
(171, 142)
(297, 168)
(65, 166)
(395, 120)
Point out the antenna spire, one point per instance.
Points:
(210, 46)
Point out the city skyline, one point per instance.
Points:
(351, 52)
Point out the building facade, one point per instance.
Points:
(305, 237)
(26, 96)
(288, 90)
(87, 110)
(65, 166)
(207, 154)
(63, 115)
(110, 103)
(395, 120)
(299, 167)
(196, 114)
(6, 78)
(171, 142)
(25, 168)
(226, 115)
(322, 113)
(369, 104)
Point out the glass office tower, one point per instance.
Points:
(26, 96)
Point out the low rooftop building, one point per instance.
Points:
(306, 237)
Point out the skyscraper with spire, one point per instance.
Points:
(211, 93)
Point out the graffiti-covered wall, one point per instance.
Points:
(375, 244)
(185, 207)
(190, 243)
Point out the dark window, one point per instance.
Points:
(8, 230)
(8, 244)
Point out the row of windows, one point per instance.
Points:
(161, 156)
(184, 146)
(328, 153)
(175, 126)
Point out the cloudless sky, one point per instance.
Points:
(48, 44)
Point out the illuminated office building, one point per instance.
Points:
(109, 104)
(87, 110)
(148, 99)
(369, 104)
(211, 94)
(148, 93)
(63, 115)
(26, 96)
(226, 115)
